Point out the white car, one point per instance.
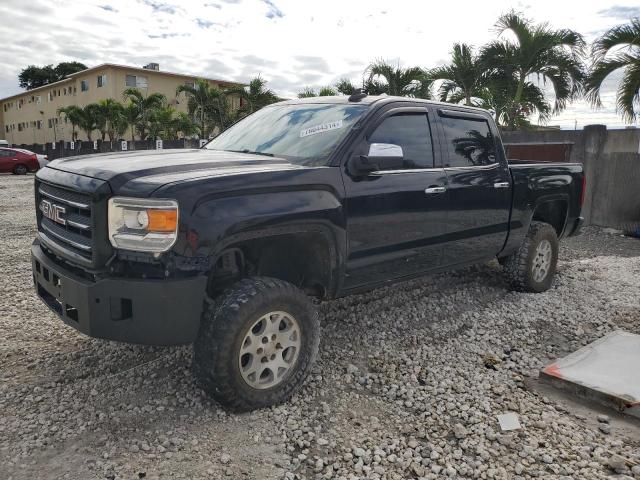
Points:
(42, 160)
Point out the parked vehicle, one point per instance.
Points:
(17, 161)
(43, 160)
(226, 246)
(4, 143)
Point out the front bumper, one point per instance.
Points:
(151, 312)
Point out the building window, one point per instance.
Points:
(189, 84)
(137, 81)
(50, 122)
(84, 85)
(102, 80)
(39, 124)
(50, 95)
(38, 99)
(20, 127)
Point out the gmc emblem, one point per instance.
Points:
(53, 212)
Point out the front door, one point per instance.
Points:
(479, 188)
(395, 218)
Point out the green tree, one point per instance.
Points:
(89, 119)
(64, 69)
(209, 106)
(33, 76)
(256, 95)
(131, 115)
(411, 82)
(538, 50)
(185, 125)
(309, 92)
(345, 87)
(144, 106)
(618, 49)
(110, 115)
(463, 79)
(73, 114)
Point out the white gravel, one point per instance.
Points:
(409, 383)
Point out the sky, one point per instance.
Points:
(291, 43)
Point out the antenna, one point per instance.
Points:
(357, 95)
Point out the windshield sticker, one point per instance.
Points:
(325, 127)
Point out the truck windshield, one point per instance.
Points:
(305, 134)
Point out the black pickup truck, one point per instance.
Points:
(228, 245)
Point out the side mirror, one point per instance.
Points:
(381, 156)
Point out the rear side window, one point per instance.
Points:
(469, 142)
(410, 131)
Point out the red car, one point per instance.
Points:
(18, 161)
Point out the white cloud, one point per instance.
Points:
(292, 43)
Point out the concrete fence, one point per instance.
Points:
(611, 160)
(64, 149)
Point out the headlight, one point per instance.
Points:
(143, 224)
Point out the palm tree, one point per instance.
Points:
(208, 105)
(618, 48)
(110, 111)
(256, 95)
(161, 123)
(552, 55)
(309, 92)
(183, 124)
(463, 79)
(144, 106)
(73, 114)
(345, 87)
(89, 119)
(131, 115)
(399, 81)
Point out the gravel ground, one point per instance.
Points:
(408, 385)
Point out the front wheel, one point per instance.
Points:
(257, 343)
(532, 267)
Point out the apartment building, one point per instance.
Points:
(31, 116)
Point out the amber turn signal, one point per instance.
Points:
(162, 220)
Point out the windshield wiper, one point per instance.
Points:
(246, 150)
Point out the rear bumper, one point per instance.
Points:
(576, 228)
(151, 312)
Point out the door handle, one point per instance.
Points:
(501, 185)
(431, 190)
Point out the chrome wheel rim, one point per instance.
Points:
(542, 260)
(269, 350)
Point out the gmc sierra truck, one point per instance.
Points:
(227, 246)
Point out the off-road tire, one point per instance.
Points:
(519, 266)
(20, 169)
(224, 324)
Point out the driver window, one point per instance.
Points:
(410, 131)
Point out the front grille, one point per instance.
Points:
(76, 234)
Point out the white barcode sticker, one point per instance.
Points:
(325, 127)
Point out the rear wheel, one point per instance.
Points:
(532, 267)
(257, 343)
(20, 169)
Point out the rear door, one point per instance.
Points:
(479, 187)
(394, 226)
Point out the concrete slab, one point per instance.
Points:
(607, 371)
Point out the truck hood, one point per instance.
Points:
(154, 168)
